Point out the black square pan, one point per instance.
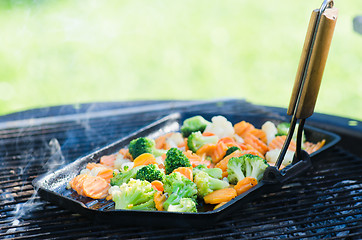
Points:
(52, 186)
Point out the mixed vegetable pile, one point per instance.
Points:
(205, 163)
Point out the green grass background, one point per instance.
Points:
(68, 51)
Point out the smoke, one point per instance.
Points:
(55, 161)
(56, 156)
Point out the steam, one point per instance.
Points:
(55, 161)
(56, 156)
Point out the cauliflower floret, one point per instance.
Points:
(120, 160)
(270, 130)
(221, 127)
(126, 165)
(113, 189)
(175, 140)
(272, 156)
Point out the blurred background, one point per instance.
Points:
(55, 52)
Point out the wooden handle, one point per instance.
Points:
(317, 63)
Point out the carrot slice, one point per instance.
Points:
(90, 166)
(219, 152)
(208, 134)
(226, 140)
(157, 185)
(108, 160)
(186, 171)
(278, 142)
(206, 150)
(223, 164)
(242, 128)
(159, 199)
(254, 152)
(259, 134)
(106, 174)
(77, 183)
(161, 141)
(185, 143)
(215, 151)
(244, 146)
(311, 147)
(229, 142)
(245, 184)
(256, 143)
(195, 159)
(144, 159)
(221, 195)
(219, 205)
(95, 187)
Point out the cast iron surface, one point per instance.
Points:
(53, 185)
(324, 202)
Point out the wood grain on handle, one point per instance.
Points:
(316, 65)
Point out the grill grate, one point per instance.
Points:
(326, 202)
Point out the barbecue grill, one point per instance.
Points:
(324, 202)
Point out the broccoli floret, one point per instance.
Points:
(247, 165)
(196, 140)
(231, 150)
(185, 205)
(124, 176)
(255, 166)
(150, 173)
(134, 195)
(193, 124)
(236, 169)
(283, 128)
(206, 184)
(175, 159)
(177, 187)
(142, 145)
(213, 172)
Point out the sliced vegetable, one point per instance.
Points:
(159, 198)
(95, 187)
(186, 171)
(157, 185)
(221, 195)
(144, 159)
(245, 184)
